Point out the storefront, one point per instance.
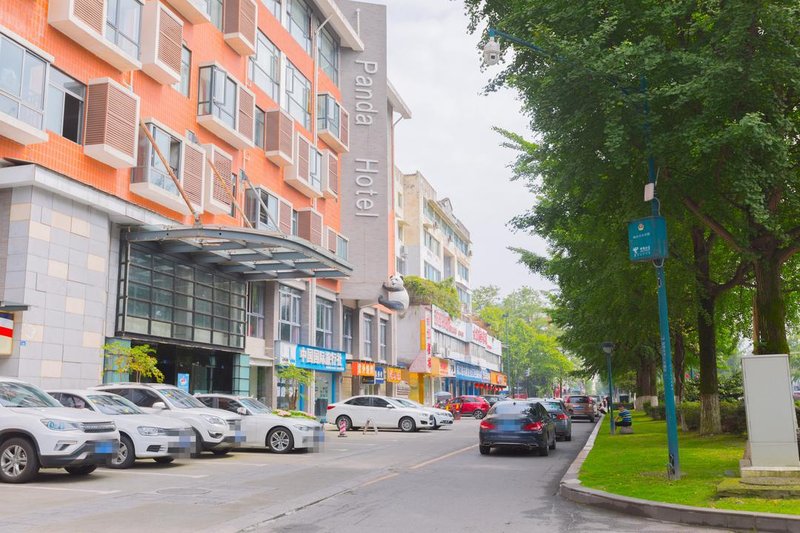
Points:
(327, 366)
(365, 372)
(467, 376)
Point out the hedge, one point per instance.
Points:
(732, 415)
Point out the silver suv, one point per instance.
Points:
(215, 430)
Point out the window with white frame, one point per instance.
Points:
(214, 10)
(264, 210)
(274, 7)
(297, 95)
(324, 323)
(150, 165)
(255, 310)
(289, 318)
(123, 24)
(315, 169)
(22, 83)
(265, 67)
(341, 247)
(260, 131)
(65, 97)
(432, 273)
(463, 271)
(383, 328)
(367, 336)
(329, 55)
(347, 330)
(217, 95)
(295, 222)
(182, 85)
(432, 244)
(298, 20)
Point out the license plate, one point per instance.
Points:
(104, 447)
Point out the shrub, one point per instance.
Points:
(443, 294)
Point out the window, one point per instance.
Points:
(297, 95)
(295, 223)
(328, 114)
(274, 7)
(432, 273)
(182, 85)
(463, 271)
(399, 200)
(324, 323)
(347, 330)
(315, 169)
(217, 95)
(380, 402)
(464, 296)
(432, 244)
(383, 327)
(151, 166)
(123, 20)
(298, 19)
(255, 310)
(341, 247)
(401, 266)
(289, 320)
(260, 127)
(265, 67)
(22, 79)
(65, 97)
(214, 10)
(367, 335)
(329, 55)
(264, 212)
(361, 401)
(192, 136)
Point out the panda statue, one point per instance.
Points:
(395, 296)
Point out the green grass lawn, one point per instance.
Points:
(635, 465)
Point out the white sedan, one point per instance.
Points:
(379, 411)
(263, 428)
(441, 417)
(141, 435)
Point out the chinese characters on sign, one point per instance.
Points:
(314, 358)
(393, 375)
(362, 368)
(647, 239)
(442, 321)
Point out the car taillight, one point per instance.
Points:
(331, 407)
(561, 416)
(535, 426)
(485, 424)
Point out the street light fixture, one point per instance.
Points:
(608, 348)
(491, 56)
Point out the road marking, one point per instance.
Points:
(383, 478)
(445, 456)
(134, 472)
(61, 489)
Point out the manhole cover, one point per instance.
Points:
(182, 492)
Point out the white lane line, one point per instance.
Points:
(445, 456)
(160, 474)
(34, 487)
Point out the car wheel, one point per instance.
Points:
(18, 461)
(220, 453)
(197, 447)
(280, 440)
(568, 437)
(164, 460)
(436, 426)
(485, 450)
(553, 446)
(83, 470)
(348, 424)
(478, 414)
(407, 425)
(543, 451)
(126, 454)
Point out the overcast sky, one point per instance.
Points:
(435, 66)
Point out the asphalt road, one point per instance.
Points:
(391, 481)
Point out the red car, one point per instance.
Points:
(469, 405)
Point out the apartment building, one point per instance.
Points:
(171, 174)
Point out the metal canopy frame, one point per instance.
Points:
(249, 254)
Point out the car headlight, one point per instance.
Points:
(61, 425)
(150, 431)
(304, 428)
(211, 419)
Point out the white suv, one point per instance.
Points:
(215, 430)
(37, 432)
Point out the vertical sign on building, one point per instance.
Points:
(365, 194)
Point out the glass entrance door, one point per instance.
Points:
(323, 392)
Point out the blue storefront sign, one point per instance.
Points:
(183, 382)
(378, 379)
(468, 372)
(647, 239)
(313, 358)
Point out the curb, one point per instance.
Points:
(571, 489)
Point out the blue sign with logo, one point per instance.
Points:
(647, 239)
(380, 375)
(313, 358)
(183, 382)
(468, 372)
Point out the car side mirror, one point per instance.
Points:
(390, 406)
(159, 405)
(242, 411)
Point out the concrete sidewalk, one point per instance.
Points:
(572, 489)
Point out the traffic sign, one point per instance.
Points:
(647, 239)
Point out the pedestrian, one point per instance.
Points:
(624, 419)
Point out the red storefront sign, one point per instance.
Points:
(362, 368)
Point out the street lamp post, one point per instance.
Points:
(508, 358)
(491, 56)
(608, 347)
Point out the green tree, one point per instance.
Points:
(442, 294)
(137, 360)
(293, 377)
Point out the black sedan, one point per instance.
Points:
(518, 423)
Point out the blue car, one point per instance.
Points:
(519, 424)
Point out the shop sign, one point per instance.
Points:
(486, 375)
(465, 371)
(447, 368)
(436, 365)
(362, 368)
(497, 346)
(442, 321)
(183, 382)
(498, 378)
(6, 333)
(313, 358)
(394, 375)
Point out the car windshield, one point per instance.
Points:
(181, 400)
(255, 406)
(14, 394)
(552, 406)
(511, 408)
(578, 399)
(114, 405)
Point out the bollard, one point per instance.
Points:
(342, 428)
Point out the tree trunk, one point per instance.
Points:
(770, 306)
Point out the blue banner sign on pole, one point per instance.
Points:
(647, 239)
(313, 358)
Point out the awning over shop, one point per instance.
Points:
(251, 254)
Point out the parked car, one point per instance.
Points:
(263, 428)
(492, 399)
(582, 407)
(441, 417)
(381, 410)
(215, 430)
(517, 423)
(469, 405)
(560, 414)
(38, 432)
(141, 435)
